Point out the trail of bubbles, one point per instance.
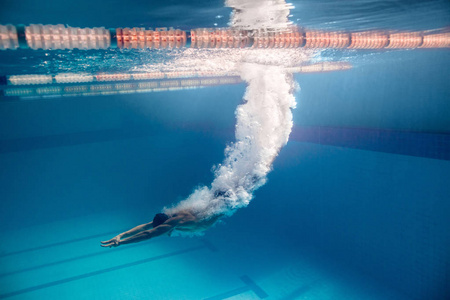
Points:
(264, 120)
(263, 126)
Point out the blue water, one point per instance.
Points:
(356, 207)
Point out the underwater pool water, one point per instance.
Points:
(355, 206)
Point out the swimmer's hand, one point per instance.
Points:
(114, 242)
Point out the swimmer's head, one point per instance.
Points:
(159, 219)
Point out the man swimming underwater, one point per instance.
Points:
(162, 224)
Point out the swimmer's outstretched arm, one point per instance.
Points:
(141, 236)
(128, 233)
(146, 234)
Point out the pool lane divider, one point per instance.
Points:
(99, 272)
(39, 36)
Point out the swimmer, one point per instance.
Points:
(162, 224)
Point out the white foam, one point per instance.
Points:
(259, 14)
(263, 126)
(264, 120)
(227, 60)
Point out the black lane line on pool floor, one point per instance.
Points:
(207, 244)
(59, 243)
(63, 261)
(298, 292)
(99, 272)
(250, 286)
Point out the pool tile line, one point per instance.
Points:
(250, 286)
(209, 245)
(206, 243)
(230, 294)
(254, 287)
(99, 272)
(300, 291)
(411, 143)
(67, 260)
(69, 139)
(420, 144)
(59, 243)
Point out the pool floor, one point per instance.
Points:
(63, 260)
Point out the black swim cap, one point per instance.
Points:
(159, 219)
